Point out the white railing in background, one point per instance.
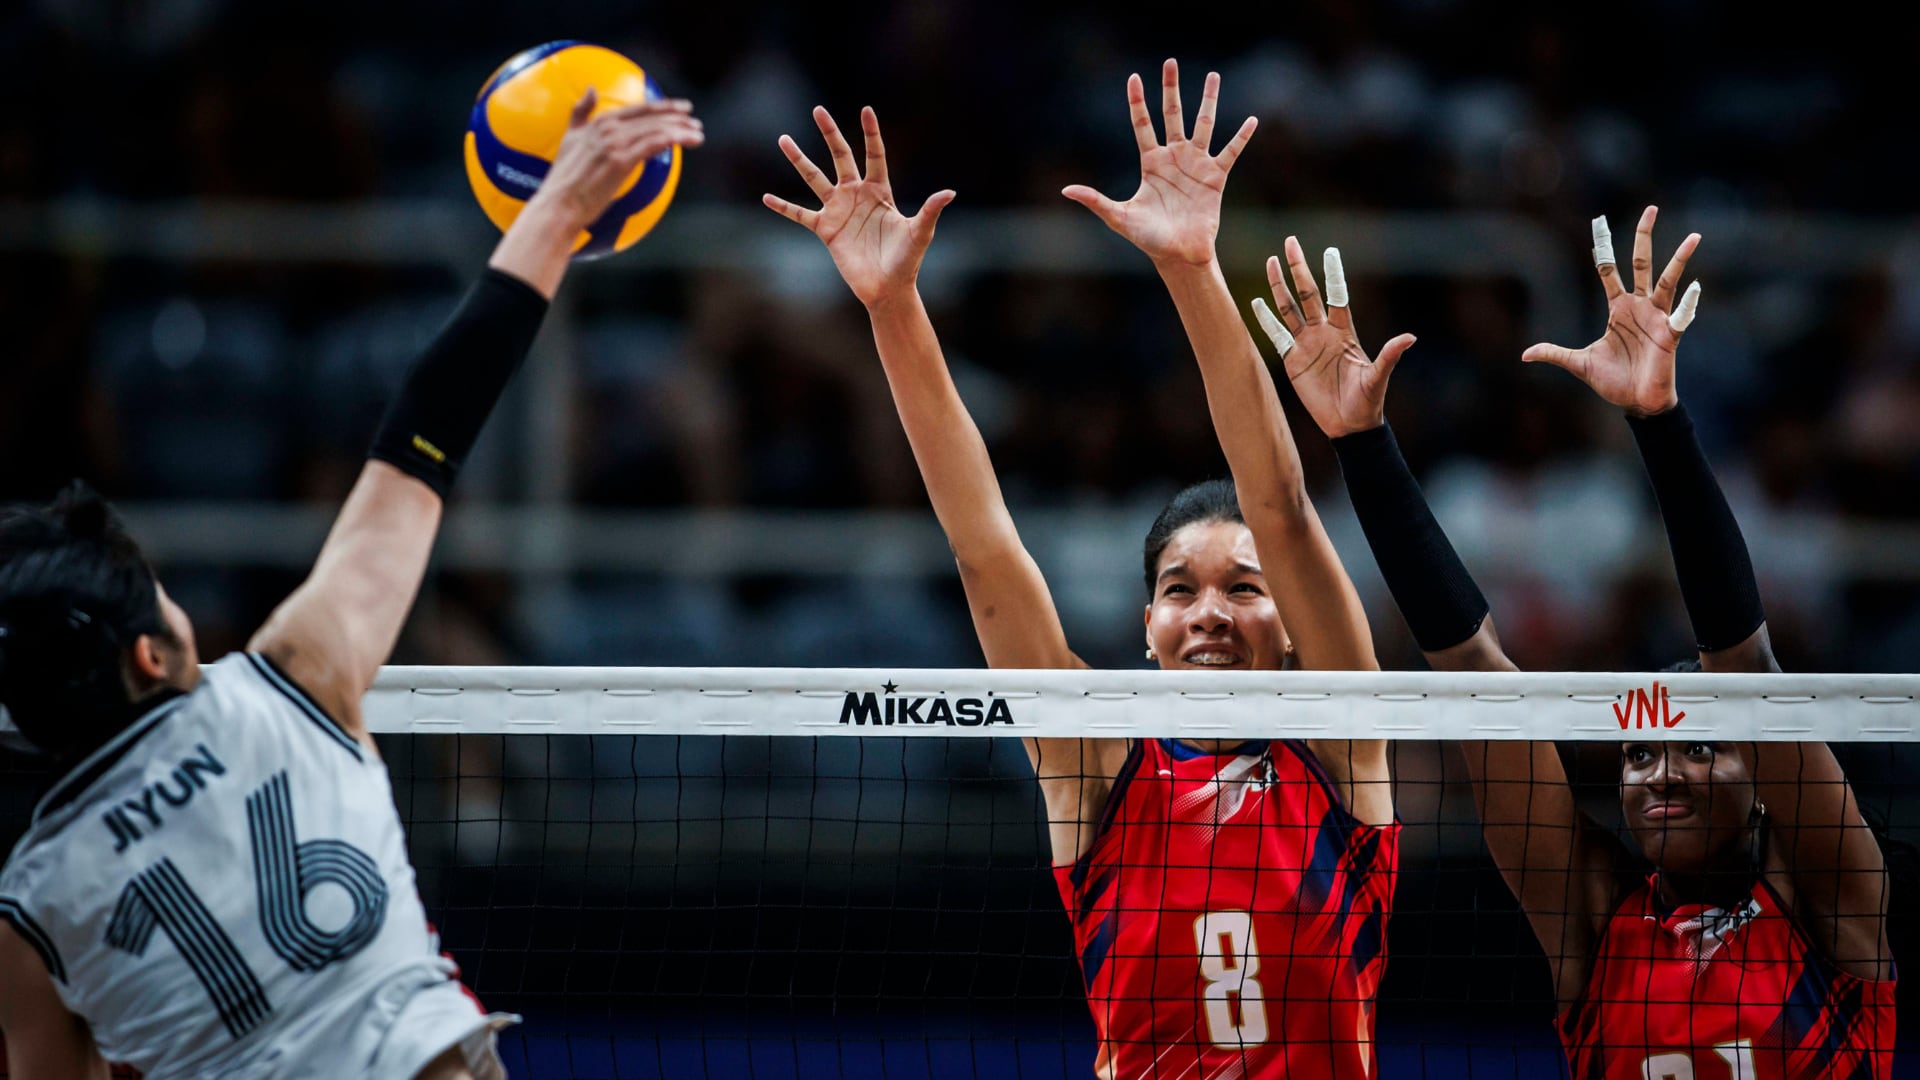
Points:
(543, 535)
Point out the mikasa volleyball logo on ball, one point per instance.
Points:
(514, 176)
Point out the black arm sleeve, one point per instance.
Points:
(431, 426)
(1438, 598)
(1709, 554)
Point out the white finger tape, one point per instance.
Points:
(1336, 274)
(1602, 242)
(1683, 312)
(1278, 334)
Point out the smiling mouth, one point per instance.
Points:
(1212, 658)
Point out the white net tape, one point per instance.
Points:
(1122, 704)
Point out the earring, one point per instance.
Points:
(1150, 654)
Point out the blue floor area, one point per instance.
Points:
(695, 1048)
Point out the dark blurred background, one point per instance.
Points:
(225, 227)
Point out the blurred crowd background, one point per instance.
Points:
(226, 227)
(188, 362)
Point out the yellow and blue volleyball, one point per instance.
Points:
(520, 117)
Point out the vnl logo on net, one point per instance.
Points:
(885, 709)
(1646, 709)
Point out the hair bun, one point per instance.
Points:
(84, 513)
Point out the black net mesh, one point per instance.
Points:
(756, 906)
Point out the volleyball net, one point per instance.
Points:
(846, 872)
(771, 873)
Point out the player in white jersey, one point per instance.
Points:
(219, 885)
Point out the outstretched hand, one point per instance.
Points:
(1343, 390)
(876, 248)
(1632, 363)
(1175, 214)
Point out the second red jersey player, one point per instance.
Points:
(1699, 992)
(1230, 917)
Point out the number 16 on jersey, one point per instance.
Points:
(287, 870)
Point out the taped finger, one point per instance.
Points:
(1602, 243)
(1603, 259)
(1683, 312)
(1336, 275)
(1282, 339)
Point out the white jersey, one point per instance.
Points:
(223, 891)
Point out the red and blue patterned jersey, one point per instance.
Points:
(1698, 992)
(1231, 918)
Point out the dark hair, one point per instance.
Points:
(75, 592)
(1209, 500)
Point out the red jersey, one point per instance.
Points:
(1697, 992)
(1231, 918)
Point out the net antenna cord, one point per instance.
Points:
(1145, 704)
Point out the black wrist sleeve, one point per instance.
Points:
(1709, 554)
(1438, 598)
(431, 426)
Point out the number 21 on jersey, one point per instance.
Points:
(1737, 1055)
(1234, 1004)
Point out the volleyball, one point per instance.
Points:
(519, 118)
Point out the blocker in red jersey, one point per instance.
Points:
(1246, 860)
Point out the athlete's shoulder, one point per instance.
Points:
(249, 686)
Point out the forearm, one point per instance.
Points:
(1438, 597)
(1838, 869)
(434, 421)
(1311, 590)
(334, 632)
(539, 245)
(1709, 554)
(1241, 397)
(1562, 872)
(1013, 612)
(947, 447)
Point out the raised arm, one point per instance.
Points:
(1174, 219)
(333, 633)
(1560, 866)
(878, 250)
(1835, 873)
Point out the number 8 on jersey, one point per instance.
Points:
(1229, 963)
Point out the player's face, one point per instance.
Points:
(1211, 609)
(1687, 803)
